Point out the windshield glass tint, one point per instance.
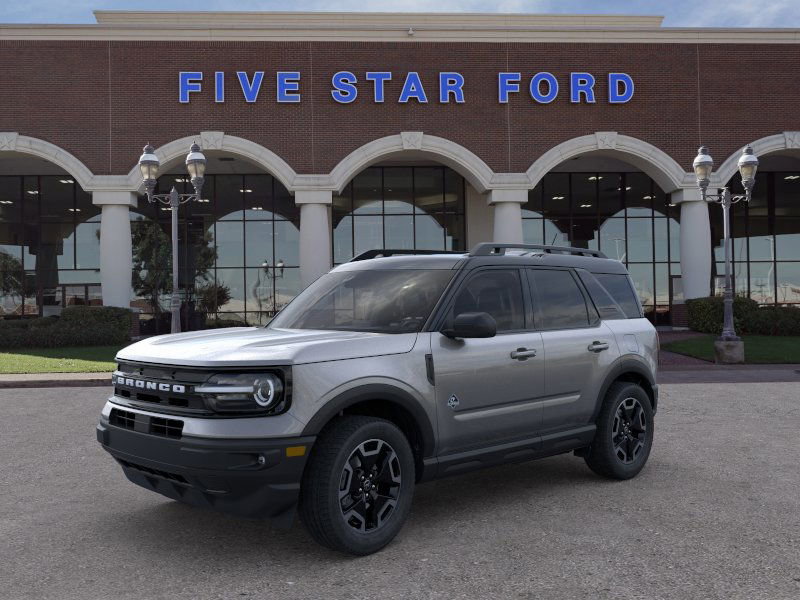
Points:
(391, 301)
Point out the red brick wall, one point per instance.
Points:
(102, 101)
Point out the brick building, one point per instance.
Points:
(330, 134)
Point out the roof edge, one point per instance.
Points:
(276, 19)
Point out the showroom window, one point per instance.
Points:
(624, 215)
(238, 252)
(419, 208)
(765, 240)
(49, 246)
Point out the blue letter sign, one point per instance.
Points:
(344, 89)
(615, 80)
(412, 88)
(250, 90)
(378, 78)
(581, 83)
(451, 83)
(288, 86)
(188, 81)
(506, 83)
(543, 86)
(219, 86)
(536, 88)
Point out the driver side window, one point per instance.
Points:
(497, 292)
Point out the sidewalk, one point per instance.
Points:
(678, 370)
(46, 380)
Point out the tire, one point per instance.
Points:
(367, 513)
(624, 434)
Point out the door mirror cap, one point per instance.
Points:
(472, 325)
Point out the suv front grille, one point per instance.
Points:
(170, 388)
(169, 428)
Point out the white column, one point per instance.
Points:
(116, 256)
(695, 243)
(508, 214)
(315, 233)
(480, 218)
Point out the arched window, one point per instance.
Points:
(49, 245)
(624, 215)
(399, 207)
(238, 252)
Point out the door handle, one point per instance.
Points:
(598, 346)
(523, 354)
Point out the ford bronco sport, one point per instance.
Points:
(395, 368)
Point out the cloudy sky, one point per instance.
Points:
(678, 13)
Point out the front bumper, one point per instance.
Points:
(246, 477)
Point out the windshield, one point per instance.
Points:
(391, 301)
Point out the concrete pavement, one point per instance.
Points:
(715, 514)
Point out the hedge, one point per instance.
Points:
(706, 315)
(77, 326)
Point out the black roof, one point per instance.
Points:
(487, 254)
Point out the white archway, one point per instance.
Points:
(11, 141)
(218, 140)
(656, 163)
(448, 153)
(781, 142)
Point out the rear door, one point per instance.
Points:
(488, 390)
(578, 347)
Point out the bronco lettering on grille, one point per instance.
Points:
(143, 384)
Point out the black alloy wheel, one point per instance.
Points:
(370, 485)
(358, 485)
(629, 432)
(624, 432)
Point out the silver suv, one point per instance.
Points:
(392, 369)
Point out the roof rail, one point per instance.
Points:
(488, 248)
(368, 254)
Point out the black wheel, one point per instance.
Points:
(357, 489)
(624, 433)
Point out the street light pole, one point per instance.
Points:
(175, 301)
(703, 165)
(728, 329)
(196, 165)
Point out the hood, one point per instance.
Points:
(257, 346)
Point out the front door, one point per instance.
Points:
(488, 390)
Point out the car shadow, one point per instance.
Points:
(166, 526)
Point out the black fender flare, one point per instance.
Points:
(622, 367)
(376, 391)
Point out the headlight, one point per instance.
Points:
(246, 392)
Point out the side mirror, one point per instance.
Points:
(472, 325)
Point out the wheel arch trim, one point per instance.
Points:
(376, 392)
(621, 368)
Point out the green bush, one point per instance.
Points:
(706, 315)
(77, 326)
(782, 320)
(219, 323)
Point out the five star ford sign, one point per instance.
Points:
(543, 87)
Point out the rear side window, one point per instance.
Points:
(620, 289)
(606, 305)
(560, 302)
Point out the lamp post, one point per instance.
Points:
(703, 165)
(196, 165)
(277, 273)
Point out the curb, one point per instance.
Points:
(54, 383)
